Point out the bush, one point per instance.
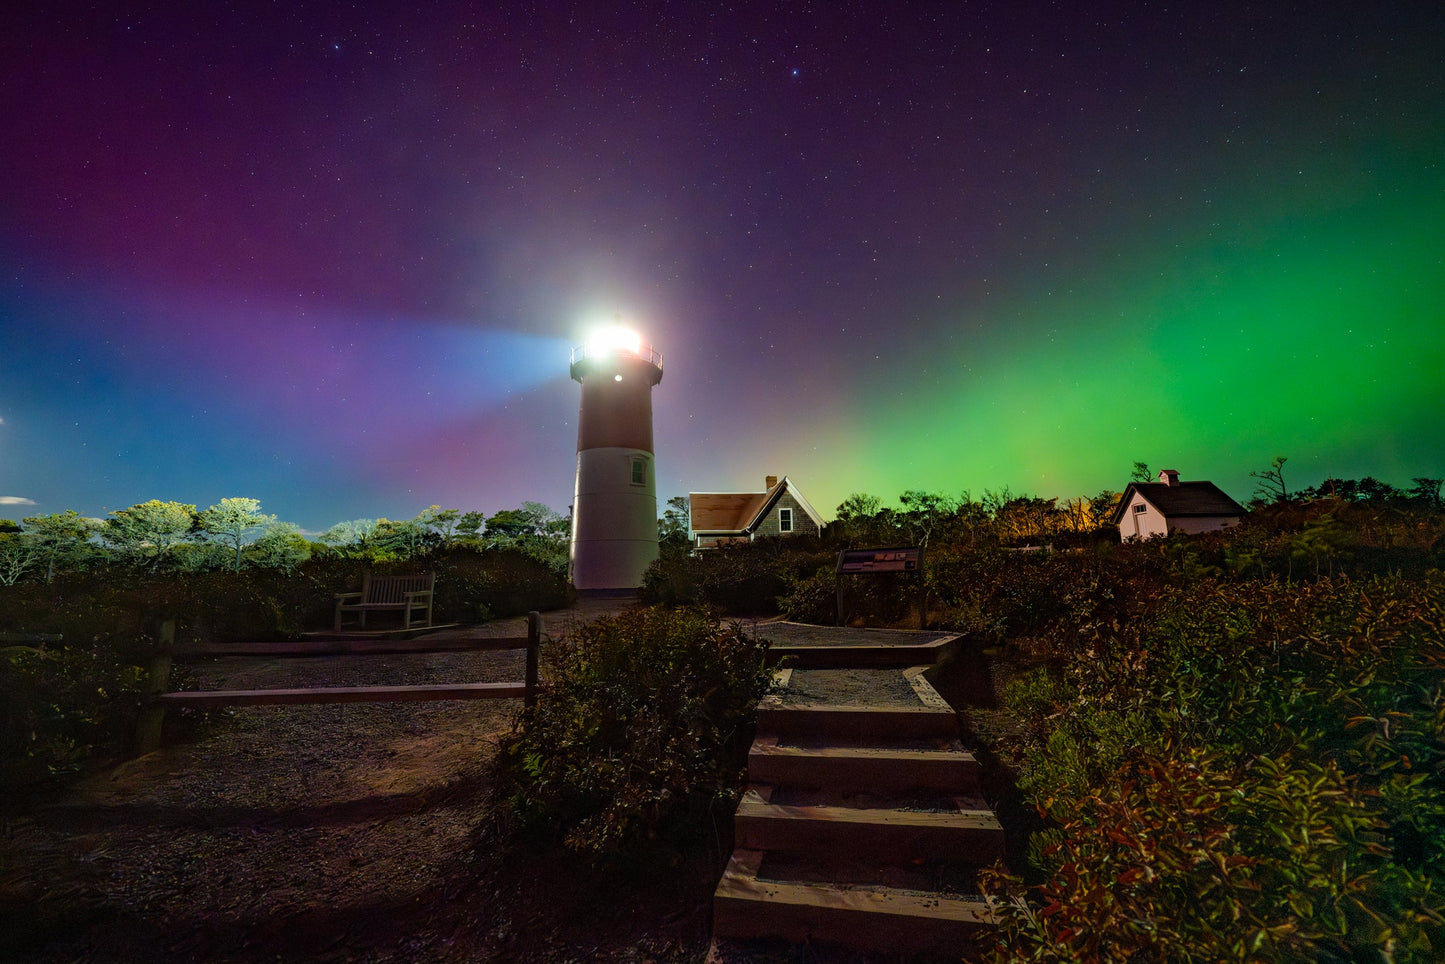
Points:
(813, 599)
(643, 724)
(1248, 770)
(740, 580)
(59, 705)
(750, 579)
(477, 584)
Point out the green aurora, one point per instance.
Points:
(1318, 336)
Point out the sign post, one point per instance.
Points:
(867, 562)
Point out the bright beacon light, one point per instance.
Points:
(614, 340)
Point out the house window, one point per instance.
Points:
(785, 520)
(1141, 507)
(639, 471)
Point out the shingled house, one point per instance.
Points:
(1149, 509)
(717, 518)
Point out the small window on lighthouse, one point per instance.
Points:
(639, 471)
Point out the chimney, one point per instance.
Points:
(1169, 476)
(769, 482)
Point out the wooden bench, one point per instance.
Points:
(405, 594)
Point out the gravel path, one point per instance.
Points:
(849, 687)
(341, 832)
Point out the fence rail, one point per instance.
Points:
(152, 721)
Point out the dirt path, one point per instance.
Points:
(330, 833)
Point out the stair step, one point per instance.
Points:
(747, 907)
(947, 767)
(942, 877)
(962, 834)
(857, 725)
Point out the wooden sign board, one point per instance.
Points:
(909, 559)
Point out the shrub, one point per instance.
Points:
(813, 599)
(643, 724)
(1251, 771)
(1182, 857)
(61, 704)
(748, 579)
(504, 582)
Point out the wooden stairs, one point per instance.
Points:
(861, 828)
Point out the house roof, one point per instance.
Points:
(1183, 499)
(739, 512)
(724, 511)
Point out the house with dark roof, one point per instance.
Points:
(717, 518)
(1149, 509)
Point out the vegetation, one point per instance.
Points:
(81, 601)
(1233, 743)
(642, 728)
(1239, 769)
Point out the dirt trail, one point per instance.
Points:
(338, 832)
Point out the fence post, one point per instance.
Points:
(534, 644)
(153, 711)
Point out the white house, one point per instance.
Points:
(1149, 509)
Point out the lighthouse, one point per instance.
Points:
(614, 507)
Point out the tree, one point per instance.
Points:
(1028, 517)
(537, 530)
(972, 516)
(1141, 473)
(993, 502)
(60, 537)
(1368, 490)
(923, 512)
(1271, 486)
(1427, 492)
(396, 539)
(1104, 504)
(1078, 514)
(281, 546)
(17, 557)
(350, 533)
(529, 519)
(470, 525)
(859, 505)
(857, 516)
(675, 524)
(148, 530)
(442, 522)
(507, 525)
(232, 522)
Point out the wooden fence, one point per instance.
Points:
(152, 721)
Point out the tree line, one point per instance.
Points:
(234, 534)
(1007, 518)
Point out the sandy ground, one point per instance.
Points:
(352, 832)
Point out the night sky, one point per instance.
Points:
(333, 257)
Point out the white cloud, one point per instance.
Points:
(15, 500)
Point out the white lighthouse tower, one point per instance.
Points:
(614, 509)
